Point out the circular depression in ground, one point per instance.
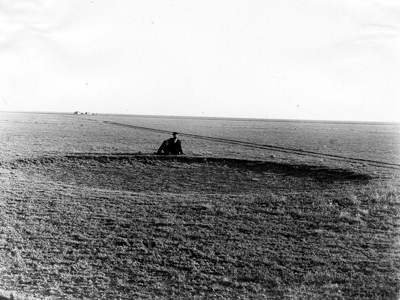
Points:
(139, 173)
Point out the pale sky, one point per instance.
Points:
(286, 59)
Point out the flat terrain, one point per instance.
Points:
(87, 212)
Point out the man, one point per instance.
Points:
(171, 146)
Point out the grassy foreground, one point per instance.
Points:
(130, 227)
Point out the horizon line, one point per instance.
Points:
(210, 117)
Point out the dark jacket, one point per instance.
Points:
(170, 146)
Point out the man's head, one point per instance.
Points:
(175, 135)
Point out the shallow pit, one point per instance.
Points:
(139, 172)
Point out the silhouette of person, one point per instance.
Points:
(172, 146)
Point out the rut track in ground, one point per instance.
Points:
(301, 152)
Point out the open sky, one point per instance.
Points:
(288, 59)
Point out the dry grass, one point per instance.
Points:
(134, 227)
(139, 227)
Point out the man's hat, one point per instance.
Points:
(174, 133)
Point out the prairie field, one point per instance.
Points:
(89, 212)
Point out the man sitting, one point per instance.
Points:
(172, 146)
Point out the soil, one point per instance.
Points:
(132, 226)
